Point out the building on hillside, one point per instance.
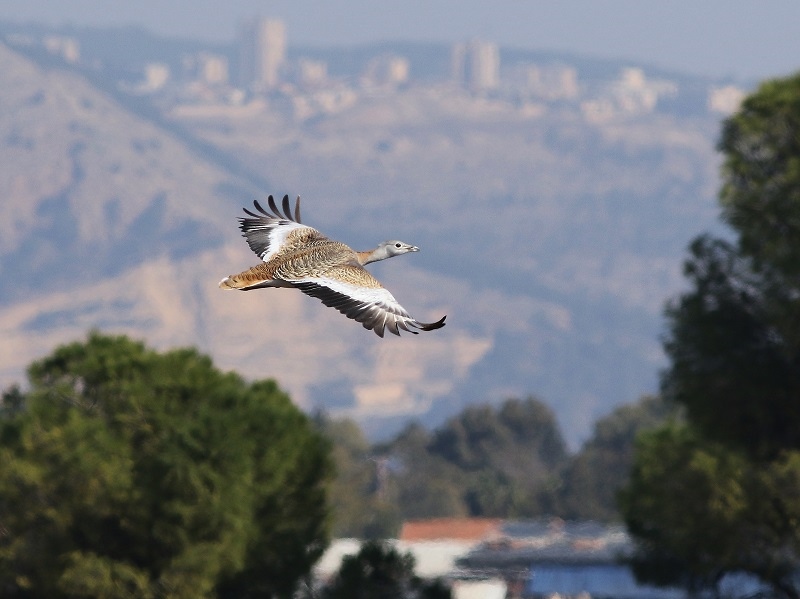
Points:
(476, 65)
(726, 99)
(631, 94)
(262, 53)
(67, 48)
(308, 73)
(386, 71)
(551, 82)
(155, 77)
(206, 68)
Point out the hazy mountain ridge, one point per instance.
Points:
(550, 242)
(529, 208)
(89, 189)
(126, 233)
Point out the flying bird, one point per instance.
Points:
(296, 255)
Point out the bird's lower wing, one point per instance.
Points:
(370, 304)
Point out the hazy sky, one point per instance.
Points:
(743, 39)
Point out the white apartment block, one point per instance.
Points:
(262, 52)
(476, 65)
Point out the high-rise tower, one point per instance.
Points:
(262, 52)
(476, 64)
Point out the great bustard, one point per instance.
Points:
(295, 255)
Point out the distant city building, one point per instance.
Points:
(387, 70)
(555, 82)
(476, 65)
(262, 52)
(156, 75)
(208, 68)
(635, 93)
(65, 47)
(632, 93)
(725, 100)
(310, 73)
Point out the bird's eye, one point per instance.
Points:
(397, 245)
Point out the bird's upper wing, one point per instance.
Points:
(358, 295)
(270, 233)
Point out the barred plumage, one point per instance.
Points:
(296, 255)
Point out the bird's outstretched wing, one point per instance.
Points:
(358, 295)
(270, 233)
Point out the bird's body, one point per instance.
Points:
(299, 256)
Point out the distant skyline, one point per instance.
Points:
(742, 39)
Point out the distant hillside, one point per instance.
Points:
(554, 240)
(113, 223)
(550, 241)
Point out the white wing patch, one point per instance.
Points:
(355, 293)
(375, 308)
(274, 237)
(267, 233)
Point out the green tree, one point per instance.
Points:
(594, 475)
(734, 340)
(508, 457)
(424, 485)
(734, 349)
(734, 355)
(486, 461)
(700, 511)
(380, 571)
(352, 488)
(358, 504)
(682, 485)
(760, 192)
(132, 473)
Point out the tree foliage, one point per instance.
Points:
(132, 473)
(506, 461)
(379, 571)
(760, 192)
(734, 342)
(679, 486)
(735, 357)
(719, 493)
(594, 476)
(700, 511)
(484, 461)
(359, 506)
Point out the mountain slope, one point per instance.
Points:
(555, 238)
(110, 222)
(550, 241)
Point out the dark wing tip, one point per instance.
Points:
(369, 315)
(287, 210)
(431, 326)
(273, 206)
(395, 325)
(285, 214)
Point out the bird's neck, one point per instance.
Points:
(378, 253)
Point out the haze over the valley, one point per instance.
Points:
(553, 199)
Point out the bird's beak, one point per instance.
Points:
(413, 248)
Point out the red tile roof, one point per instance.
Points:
(462, 529)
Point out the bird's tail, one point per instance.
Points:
(253, 278)
(229, 283)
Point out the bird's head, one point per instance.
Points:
(387, 249)
(395, 248)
